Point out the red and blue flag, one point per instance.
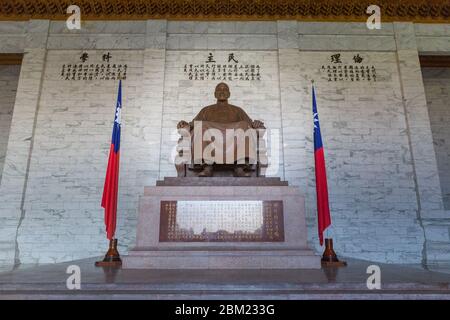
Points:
(323, 209)
(111, 187)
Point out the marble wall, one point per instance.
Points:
(370, 176)
(383, 183)
(432, 38)
(70, 152)
(437, 89)
(183, 98)
(9, 78)
(18, 154)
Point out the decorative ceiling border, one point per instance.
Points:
(307, 10)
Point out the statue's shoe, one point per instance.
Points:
(240, 172)
(206, 172)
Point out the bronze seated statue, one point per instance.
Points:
(221, 140)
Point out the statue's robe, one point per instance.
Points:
(223, 150)
(223, 114)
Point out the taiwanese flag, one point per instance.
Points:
(110, 189)
(323, 209)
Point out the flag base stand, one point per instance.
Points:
(329, 257)
(112, 257)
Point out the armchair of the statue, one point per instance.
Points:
(253, 166)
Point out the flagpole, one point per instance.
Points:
(110, 189)
(326, 230)
(329, 257)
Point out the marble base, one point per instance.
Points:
(398, 282)
(292, 253)
(227, 259)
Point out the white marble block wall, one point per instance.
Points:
(385, 197)
(370, 176)
(184, 98)
(9, 78)
(16, 165)
(63, 219)
(437, 90)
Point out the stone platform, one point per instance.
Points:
(397, 282)
(288, 251)
(221, 181)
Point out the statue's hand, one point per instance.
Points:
(182, 124)
(257, 124)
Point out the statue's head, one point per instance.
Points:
(222, 92)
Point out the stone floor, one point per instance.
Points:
(397, 282)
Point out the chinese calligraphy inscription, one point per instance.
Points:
(228, 70)
(219, 221)
(85, 70)
(336, 70)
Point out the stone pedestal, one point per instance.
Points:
(155, 249)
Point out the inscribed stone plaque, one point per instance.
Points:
(220, 221)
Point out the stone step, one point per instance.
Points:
(194, 291)
(221, 181)
(224, 259)
(398, 282)
(224, 295)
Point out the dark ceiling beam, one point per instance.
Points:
(434, 61)
(10, 58)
